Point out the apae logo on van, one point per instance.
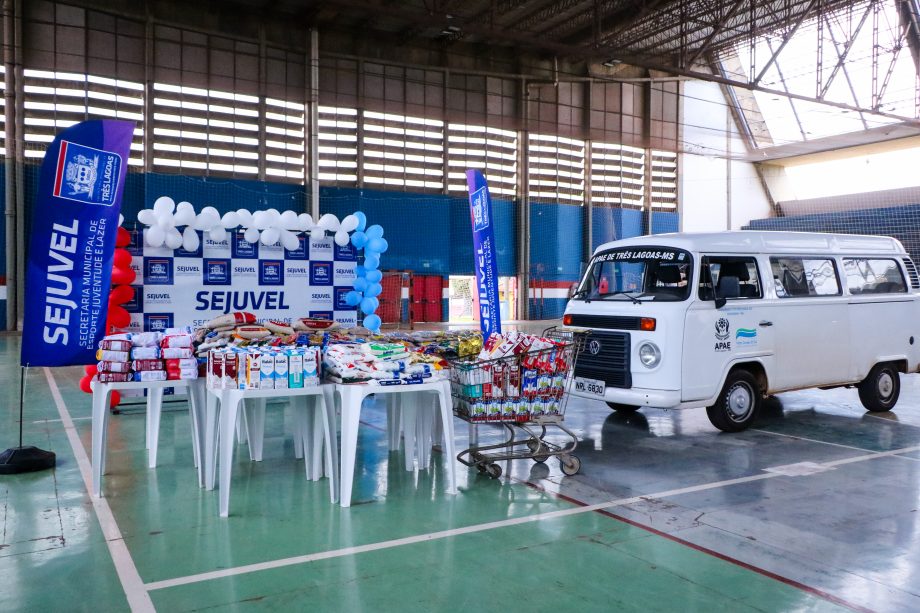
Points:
(723, 331)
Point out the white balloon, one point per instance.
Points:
(184, 216)
(349, 223)
(147, 217)
(245, 217)
(185, 206)
(329, 222)
(260, 220)
(305, 222)
(173, 238)
(165, 221)
(217, 233)
(274, 217)
(164, 204)
(154, 236)
(190, 240)
(121, 219)
(317, 232)
(289, 240)
(270, 236)
(230, 220)
(341, 238)
(289, 220)
(202, 223)
(251, 235)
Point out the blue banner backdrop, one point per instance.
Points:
(484, 253)
(75, 218)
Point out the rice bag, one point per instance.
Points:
(141, 365)
(231, 319)
(182, 374)
(114, 367)
(115, 345)
(150, 375)
(113, 377)
(112, 356)
(175, 353)
(179, 330)
(146, 339)
(145, 353)
(176, 340)
(189, 362)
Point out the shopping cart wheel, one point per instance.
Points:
(494, 471)
(534, 447)
(569, 464)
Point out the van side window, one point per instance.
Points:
(873, 276)
(804, 276)
(725, 272)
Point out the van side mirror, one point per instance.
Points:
(720, 302)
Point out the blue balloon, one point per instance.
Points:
(369, 304)
(372, 323)
(373, 276)
(374, 231)
(360, 284)
(375, 245)
(362, 221)
(371, 261)
(384, 245)
(359, 239)
(373, 289)
(360, 271)
(352, 298)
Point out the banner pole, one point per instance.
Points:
(22, 388)
(24, 459)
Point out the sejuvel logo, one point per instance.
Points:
(216, 272)
(320, 273)
(157, 322)
(85, 174)
(158, 271)
(239, 248)
(271, 272)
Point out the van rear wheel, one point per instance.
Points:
(622, 408)
(738, 403)
(879, 391)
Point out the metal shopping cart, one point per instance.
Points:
(524, 393)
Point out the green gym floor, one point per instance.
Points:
(815, 509)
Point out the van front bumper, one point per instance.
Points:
(639, 397)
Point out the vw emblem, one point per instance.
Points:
(594, 347)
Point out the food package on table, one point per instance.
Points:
(113, 377)
(231, 319)
(181, 363)
(141, 365)
(121, 336)
(145, 353)
(146, 339)
(112, 356)
(173, 353)
(178, 330)
(182, 374)
(150, 375)
(106, 366)
(176, 340)
(108, 344)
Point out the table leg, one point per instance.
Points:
(255, 427)
(298, 431)
(100, 423)
(228, 418)
(332, 451)
(351, 416)
(196, 405)
(409, 416)
(332, 413)
(211, 435)
(317, 420)
(154, 411)
(393, 421)
(447, 419)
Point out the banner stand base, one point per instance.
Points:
(25, 460)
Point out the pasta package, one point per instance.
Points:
(150, 375)
(115, 345)
(112, 356)
(113, 377)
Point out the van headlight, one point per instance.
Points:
(649, 354)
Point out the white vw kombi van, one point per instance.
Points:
(721, 320)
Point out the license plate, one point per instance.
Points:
(592, 387)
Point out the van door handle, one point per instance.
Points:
(766, 324)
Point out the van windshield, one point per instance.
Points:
(631, 273)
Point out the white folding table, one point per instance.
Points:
(220, 420)
(101, 394)
(352, 395)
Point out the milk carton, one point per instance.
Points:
(295, 368)
(310, 366)
(253, 377)
(230, 373)
(281, 371)
(267, 372)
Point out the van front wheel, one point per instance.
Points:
(737, 404)
(622, 408)
(879, 391)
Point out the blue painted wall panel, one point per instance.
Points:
(556, 241)
(611, 224)
(663, 222)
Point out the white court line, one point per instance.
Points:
(131, 583)
(421, 538)
(812, 440)
(53, 421)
